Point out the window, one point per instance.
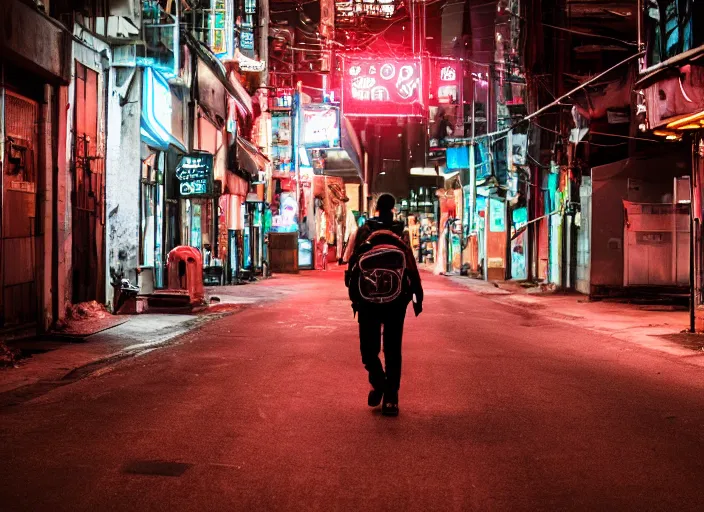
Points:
(161, 38)
(672, 27)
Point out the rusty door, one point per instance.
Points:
(87, 195)
(19, 216)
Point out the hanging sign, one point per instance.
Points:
(249, 65)
(444, 77)
(195, 175)
(382, 87)
(321, 126)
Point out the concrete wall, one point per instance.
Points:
(609, 189)
(123, 167)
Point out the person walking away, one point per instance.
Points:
(382, 278)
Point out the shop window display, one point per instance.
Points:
(419, 214)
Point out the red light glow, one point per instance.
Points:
(382, 87)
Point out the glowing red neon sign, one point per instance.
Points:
(444, 81)
(382, 88)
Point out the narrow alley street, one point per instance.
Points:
(266, 409)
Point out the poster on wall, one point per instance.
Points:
(287, 219)
(497, 215)
(382, 87)
(281, 145)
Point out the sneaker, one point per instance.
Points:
(374, 398)
(389, 409)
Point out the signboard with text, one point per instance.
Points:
(382, 87)
(195, 175)
(321, 126)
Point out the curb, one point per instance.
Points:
(27, 392)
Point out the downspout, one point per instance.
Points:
(2, 188)
(693, 231)
(55, 204)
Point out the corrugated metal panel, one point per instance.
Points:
(19, 245)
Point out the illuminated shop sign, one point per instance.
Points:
(349, 10)
(247, 40)
(195, 175)
(382, 88)
(156, 109)
(321, 126)
(444, 88)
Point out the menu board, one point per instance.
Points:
(195, 175)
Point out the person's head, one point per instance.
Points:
(385, 206)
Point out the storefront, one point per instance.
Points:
(198, 201)
(420, 210)
(162, 147)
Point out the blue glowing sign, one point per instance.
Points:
(247, 40)
(156, 108)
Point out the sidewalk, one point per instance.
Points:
(57, 360)
(658, 327)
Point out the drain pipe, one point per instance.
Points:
(693, 232)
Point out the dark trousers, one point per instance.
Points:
(370, 328)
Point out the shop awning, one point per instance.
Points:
(350, 143)
(233, 87)
(249, 158)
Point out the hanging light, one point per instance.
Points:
(687, 122)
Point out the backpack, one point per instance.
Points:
(379, 277)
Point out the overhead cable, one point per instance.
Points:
(563, 97)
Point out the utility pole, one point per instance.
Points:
(295, 136)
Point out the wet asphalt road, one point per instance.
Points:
(266, 410)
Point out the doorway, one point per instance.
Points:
(87, 195)
(20, 229)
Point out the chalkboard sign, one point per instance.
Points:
(195, 175)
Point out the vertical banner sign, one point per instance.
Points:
(445, 82)
(195, 175)
(382, 87)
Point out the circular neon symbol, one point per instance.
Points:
(387, 71)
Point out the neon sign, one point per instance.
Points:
(444, 87)
(246, 40)
(448, 74)
(391, 88)
(195, 174)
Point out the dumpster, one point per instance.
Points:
(185, 272)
